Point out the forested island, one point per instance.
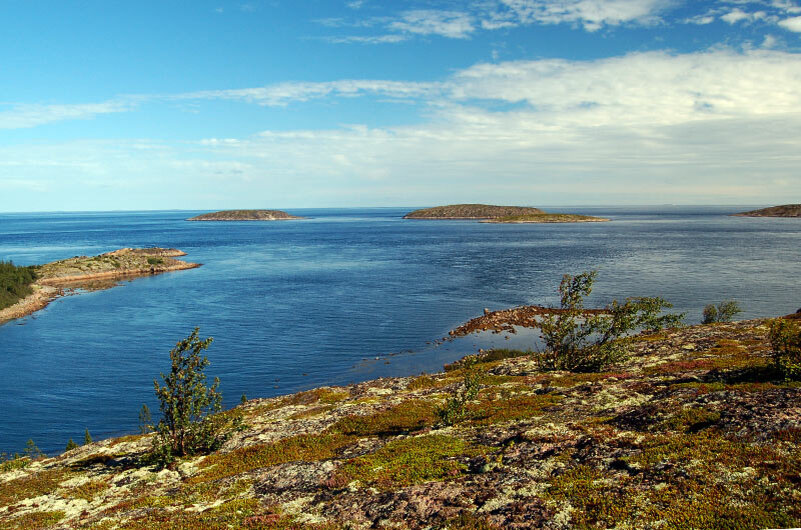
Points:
(24, 290)
(498, 214)
(245, 215)
(785, 210)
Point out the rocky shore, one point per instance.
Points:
(56, 278)
(695, 430)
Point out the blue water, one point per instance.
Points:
(344, 296)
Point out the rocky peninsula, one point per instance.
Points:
(82, 272)
(498, 214)
(785, 210)
(694, 430)
(245, 215)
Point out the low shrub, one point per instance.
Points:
(785, 342)
(723, 312)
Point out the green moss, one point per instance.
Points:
(411, 461)
(306, 447)
(311, 412)
(515, 407)
(35, 520)
(692, 420)
(408, 416)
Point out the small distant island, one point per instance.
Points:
(245, 215)
(498, 214)
(36, 286)
(785, 210)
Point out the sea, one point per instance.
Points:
(344, 296)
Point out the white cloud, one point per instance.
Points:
(735, 16)
(591, 14)
(30, 115)
(792, 24)
(716, 126)
(284, 93)
(451, 24)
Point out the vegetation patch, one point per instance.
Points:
(87, 491)
(692, 419)
(306, 447)
(41, 483)
(411, 461)
(35, 520)
(515, 407)
(15, 283)
(409, 416)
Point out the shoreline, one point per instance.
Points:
(51, 288)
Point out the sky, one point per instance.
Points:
(207, 105)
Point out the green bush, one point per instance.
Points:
(15, 283)
(785, 341)
(186, 426)
(723, 312)
(582, 341)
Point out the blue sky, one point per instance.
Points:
(315, 103)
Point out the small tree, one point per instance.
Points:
(87, 438)
(723, 312)
(70, 445)
(785, 341)
(186, 403)
(145, 419)
(580, 340)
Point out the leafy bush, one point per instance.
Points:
(186, 426)
(455, 408)
(582, 341)
(15, 283)
(785, 341)
(723, 312)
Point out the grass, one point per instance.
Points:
(15, 283)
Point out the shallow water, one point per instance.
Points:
(298, 304)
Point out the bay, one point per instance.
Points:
(344, 296)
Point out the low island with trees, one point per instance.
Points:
(24, 290)
(488, 213)
(785, 210)
(245, 215)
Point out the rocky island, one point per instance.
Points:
(498, 214)
(59, 277)
(786, 210)
(245, 215)
(694, 430)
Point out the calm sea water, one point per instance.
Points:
(344, 296)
